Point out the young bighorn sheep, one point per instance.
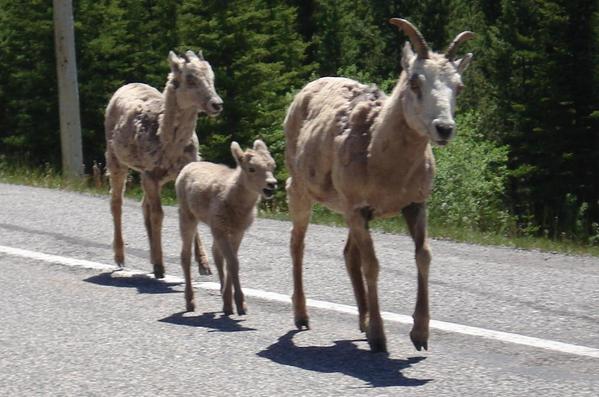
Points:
(366, 155)
(154, 134)
(225, 199)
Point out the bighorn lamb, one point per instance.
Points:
(225, 199)
(366, 155)
(154, 134)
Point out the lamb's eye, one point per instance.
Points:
(251, 169)
(459, 89)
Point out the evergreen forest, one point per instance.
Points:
(526, 157)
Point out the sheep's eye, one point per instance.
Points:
(190, 81)
(459, 89)
(251, 169)
(415, 82)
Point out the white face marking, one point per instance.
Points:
(432, 85)
(196, 87)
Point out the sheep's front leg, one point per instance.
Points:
(117, 188)
(415, 215)
(354, 269)
(300, 210)
(358, 224)
(151, 188)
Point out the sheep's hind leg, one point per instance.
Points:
(201, 257)
(117, 176)
(354, 269)
(415, 215)
(300, 210)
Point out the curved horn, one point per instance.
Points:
(414, 34)
(459, 39)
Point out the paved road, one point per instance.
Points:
(87, 331)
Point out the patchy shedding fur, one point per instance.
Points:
(154, 133)
(225, 199)
(366, 155)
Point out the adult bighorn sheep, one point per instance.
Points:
(154, 133)
(366, 155)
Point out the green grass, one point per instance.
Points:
(396, 225)
(49, 178)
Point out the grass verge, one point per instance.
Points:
(49, 178)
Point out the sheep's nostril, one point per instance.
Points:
(444, 131)
(217, 106)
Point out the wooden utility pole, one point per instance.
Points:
(68, 92)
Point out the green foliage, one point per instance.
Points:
(469, 189)
(526, 156)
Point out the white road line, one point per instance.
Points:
(273, 296)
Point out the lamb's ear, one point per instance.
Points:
(175, 62)
(407, 54)
(259, 145)
(237, 152)
(201, 55)
(462, 64)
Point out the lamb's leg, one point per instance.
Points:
(218, 262)
(117, 176)
(228, 246)
(238, 294)
(300, 210)
(187, 227)
(200, 255)
(151, 188)
(225, 248)
(358, 224)
(354, 268)
(415, 215)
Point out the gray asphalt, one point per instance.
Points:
(68, 331)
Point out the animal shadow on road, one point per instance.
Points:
(209, 320)
(145, 284)
(376, 369)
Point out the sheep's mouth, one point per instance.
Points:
(267, 193)
(442, 142)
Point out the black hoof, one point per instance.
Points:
(228, 312)
(419, 344)
(191, 307)
(301, 324)
(158, 274)
(204, 270)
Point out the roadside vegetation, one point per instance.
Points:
(523, 170)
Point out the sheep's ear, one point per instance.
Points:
(191, 55)
(175, 62)
(462, 64)
(407, 54)
(201, 55)
(259, 145)
(237, 152)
